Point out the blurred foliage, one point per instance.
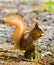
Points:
(45, 6)
(36, 10)
(37, 54)
(49, 6)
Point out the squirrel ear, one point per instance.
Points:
(36, 26)
(36, 22)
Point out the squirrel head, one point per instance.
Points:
(37, 31)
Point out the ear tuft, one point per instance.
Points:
(35, 21)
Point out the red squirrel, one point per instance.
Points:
(20, 41)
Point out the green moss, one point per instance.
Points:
(49, 5)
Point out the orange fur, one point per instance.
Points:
(19, 32)
(20, 26)
(26, 43)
